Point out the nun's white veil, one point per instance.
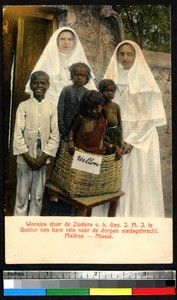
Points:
(145, 100)
(56, 64)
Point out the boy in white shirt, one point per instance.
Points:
(36, 139)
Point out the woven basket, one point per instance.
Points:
(77, 183)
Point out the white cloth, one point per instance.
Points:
(145, 102)
(142, 111)
(35, 120)
(30, 185)
(57, 64)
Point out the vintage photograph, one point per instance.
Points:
(87, 124)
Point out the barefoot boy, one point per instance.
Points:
(36, 139)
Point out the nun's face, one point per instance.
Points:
(65, 42)
(126, 56)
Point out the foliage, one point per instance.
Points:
(148, 25)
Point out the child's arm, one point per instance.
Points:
(51, 147)
(119, 121)
(73, 130)
(19, 144)
(126, 148)
(61, 111)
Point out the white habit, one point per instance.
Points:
(140, 101)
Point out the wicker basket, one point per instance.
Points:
(82, 184)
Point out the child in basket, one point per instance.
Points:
(111, 112)
(68, 108)
(88, 130)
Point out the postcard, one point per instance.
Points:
(109, 90)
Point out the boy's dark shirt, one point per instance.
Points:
(68, 107)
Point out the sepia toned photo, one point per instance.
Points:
(87, 133)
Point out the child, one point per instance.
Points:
(88, 130)
(36, 138)
(71, 96)
(68, 108)
(111, 111)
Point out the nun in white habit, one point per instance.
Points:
(63, 49)
(140, 101)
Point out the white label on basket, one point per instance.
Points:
(87, 162)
